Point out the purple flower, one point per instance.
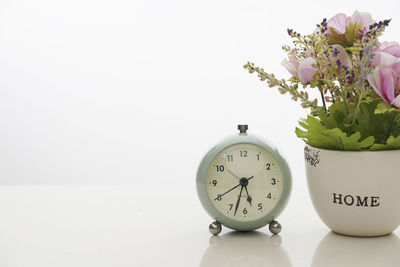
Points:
(341, 54)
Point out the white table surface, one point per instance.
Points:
(164, 225)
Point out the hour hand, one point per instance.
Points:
(249, 199)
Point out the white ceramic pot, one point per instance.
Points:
(355, 193)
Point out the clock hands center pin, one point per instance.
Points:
(243, 182)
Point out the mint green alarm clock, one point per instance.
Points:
(243, 183)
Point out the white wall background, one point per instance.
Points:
(137, 91)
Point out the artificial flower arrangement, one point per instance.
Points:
(358, 79)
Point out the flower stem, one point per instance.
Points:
(323, 100)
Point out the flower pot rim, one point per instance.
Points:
(354, 151)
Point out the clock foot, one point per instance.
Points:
(215, 228)
(275, 227)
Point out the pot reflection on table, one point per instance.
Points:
(245, 249)
(338, 250)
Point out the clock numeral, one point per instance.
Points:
(230, 206)
(269, 196)
(219, 197)
(268, 166)
(229, 157)
(243, 153)
(220, 168)
(273, 181)
(259, 206)
(244, 211)
(214, 182)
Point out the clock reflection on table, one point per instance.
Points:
(249, 249)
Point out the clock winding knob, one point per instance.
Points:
(243, 128)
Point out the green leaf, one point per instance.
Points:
(317, 135)
(379, 125)
(384, 107)
(333, 130)
(335, 117)
(314, 134)
(352, 142)
(391, 143)
(370, 96)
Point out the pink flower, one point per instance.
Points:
(392, 48)
(303, 70)
(306, 70)
(396, 67)
(339, 22)
(383, 58)
(386, 59)
(386, 83)
(364, 18)
(292, 65)
(339, 25)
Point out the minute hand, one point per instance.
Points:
(238, 201)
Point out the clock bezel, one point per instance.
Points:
(242, 138)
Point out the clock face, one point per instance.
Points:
(244, 182)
